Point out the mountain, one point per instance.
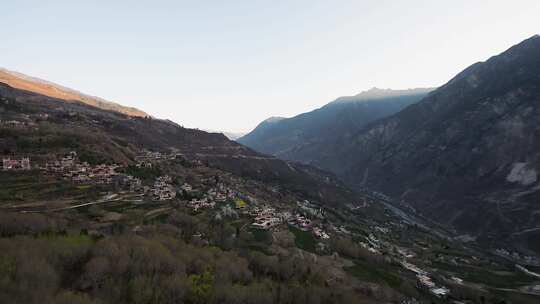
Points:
(261, 130)
(467, 155)
(109, 136)
(175, 209)
(166, 204)
(47, 88)
(97, 206)
(307, 137)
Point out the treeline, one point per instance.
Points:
(40, 263)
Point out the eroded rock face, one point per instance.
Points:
(522, 175)
(468, 154)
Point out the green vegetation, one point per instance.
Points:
(131, 250)
(240, 203)
(262, 236)
(201, 285)
(147, 174)
(373, 273)
(31, 186)
(93, 158)
(154, 268)
(304, 239)
(483, 275)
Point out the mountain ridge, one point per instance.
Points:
(307, 136)
(465, 152)
(379, 93)
(51, 89)
(98, 132)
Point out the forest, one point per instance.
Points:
(40, 262)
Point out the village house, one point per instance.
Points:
(13, 164)
(70, 168)
(134, 184)
(69, 159)
(202, 203)
(320, 233)
(186, 187)
(162, 189)
(425, 281)
(11, 123)
(143, 164)
(413, 268)
(265, 218)
(440, 292)
(266, 223)
(405, 253)
(301, 222)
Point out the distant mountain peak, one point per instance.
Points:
(378, 93)
(307, 137)
(533, 41)
(273, 119)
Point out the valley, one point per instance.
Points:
(422, 188)
(463, 152)
(88, 186)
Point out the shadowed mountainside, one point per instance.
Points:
(466, 155)
(310, 137)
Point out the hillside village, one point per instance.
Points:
(109, 196)
(221, 198)
(417, 181)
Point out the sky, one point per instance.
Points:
(228, 65)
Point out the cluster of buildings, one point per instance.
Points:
(202, 203)
(304, 216)
(372, 244)
(72, 169)
(162, 189)
(146, 158)
(17, 124)
(100, 174)
(301, 222)
(218, 194)
(266, 218)
(320, 233)
(23, 121)
(425, 281)
(134, 184)
(16, 164)
(11, 123)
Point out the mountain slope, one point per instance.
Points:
(109, 136)
(307, 137)
(468, 154)
(36, 85)
(185, 202)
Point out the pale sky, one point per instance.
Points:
(227, 65)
